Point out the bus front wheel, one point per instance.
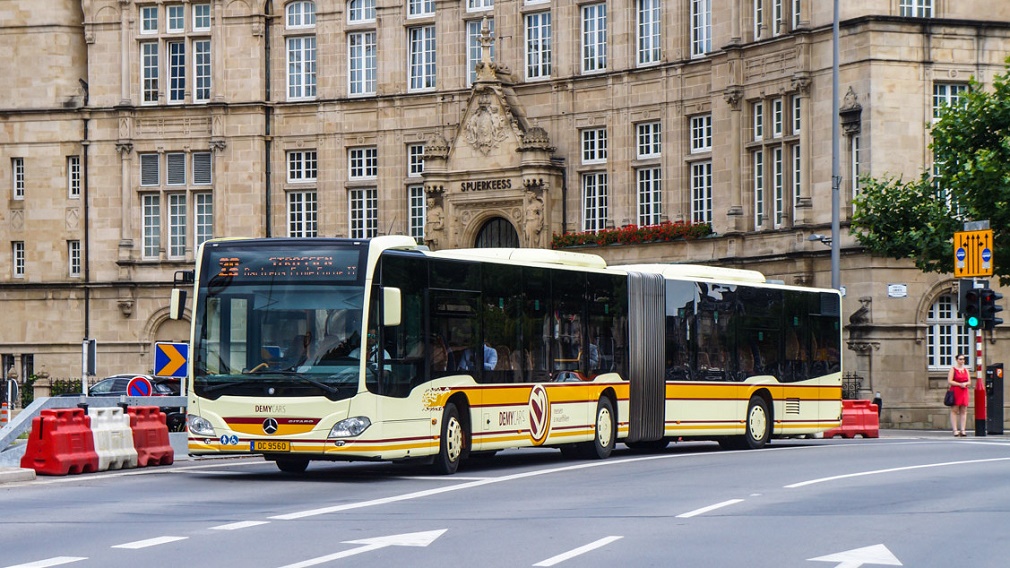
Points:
(292, 465)
(605, 429)
(451, 442)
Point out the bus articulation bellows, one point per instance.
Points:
(342, 349)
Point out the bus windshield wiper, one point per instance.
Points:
(303, 378)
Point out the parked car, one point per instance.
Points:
(161, 386)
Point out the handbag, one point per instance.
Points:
(948, 399)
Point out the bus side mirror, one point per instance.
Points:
(177, 307)
(391, 307)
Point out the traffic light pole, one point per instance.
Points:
(980, 410)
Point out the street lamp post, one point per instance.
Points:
(836, 176)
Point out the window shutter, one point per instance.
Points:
(201, 168)
(176, 169)
(149, 174)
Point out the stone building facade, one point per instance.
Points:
(131, 131)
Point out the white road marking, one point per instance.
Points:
(55, 561)
(420, 539)
(710, 508)
(578, 551)
(239, 525)
(136, 545)
(889, 470)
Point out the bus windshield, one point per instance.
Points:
(274, 324)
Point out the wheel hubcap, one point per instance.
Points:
(604, 427)
(453, 439)
(758, 423)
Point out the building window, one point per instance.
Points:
(300, 15)
(364, 211)
(778, 119)
(594, 38)
(421, 43)
(201, 17)
(302, 166)
(416, 210)
(947, 94)
(594, 201)
(917, 8)
(946, 335)
(701, 133)
(203, 226)
(363, 163)
(701, 192)
(201, 70)
(183, 173)
(420, 8)
(18, 259)
(650, 195)
(361, 11)
(74, 259)
(778, 18)
(796, 13)
(175, 19)
(177, 225)
(149, 71)
(759, 17)
(649, 32)
(797, 121)
(74, 177)
(479, 5)
(854, 168)
(473, 51)
(361, 63)
(18, 178)
(797, 177)
(151, 221)
(149, 20)
(538, 45)
(778, 186)
(301, 68)
(759, 188)
(701, 27)
(302, 211)
(759, 121)
(650, 140)
(176, 72)
(415, 160)
(594, 145)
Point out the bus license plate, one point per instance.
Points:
(270, 446)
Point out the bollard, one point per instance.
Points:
(5, 413)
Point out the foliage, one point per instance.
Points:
(633, 235)
(917, 219)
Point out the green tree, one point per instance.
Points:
(917, 219)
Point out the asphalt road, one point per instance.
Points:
(902, 500)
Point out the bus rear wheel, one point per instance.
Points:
(451, 442)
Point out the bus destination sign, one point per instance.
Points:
(253, 266)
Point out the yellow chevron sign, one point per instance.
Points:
(170, 359)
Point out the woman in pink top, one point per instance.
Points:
(959, 381)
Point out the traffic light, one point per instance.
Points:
(971, 308)
(988, 308)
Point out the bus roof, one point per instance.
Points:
(698, 272)
(526, 255)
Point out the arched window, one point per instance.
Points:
(946, 333)
(301, 15)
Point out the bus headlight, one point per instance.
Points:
(199, 426)
(350, 427)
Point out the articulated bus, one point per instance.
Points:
(342, 349)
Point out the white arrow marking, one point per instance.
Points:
(877, 554)
(409, 539)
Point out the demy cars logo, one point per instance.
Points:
(540, 414)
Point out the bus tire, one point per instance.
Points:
(759, 424)
(605, 432)
(451, 441)
(650, 446)
(292, 465)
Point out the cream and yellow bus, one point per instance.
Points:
(342, 349)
